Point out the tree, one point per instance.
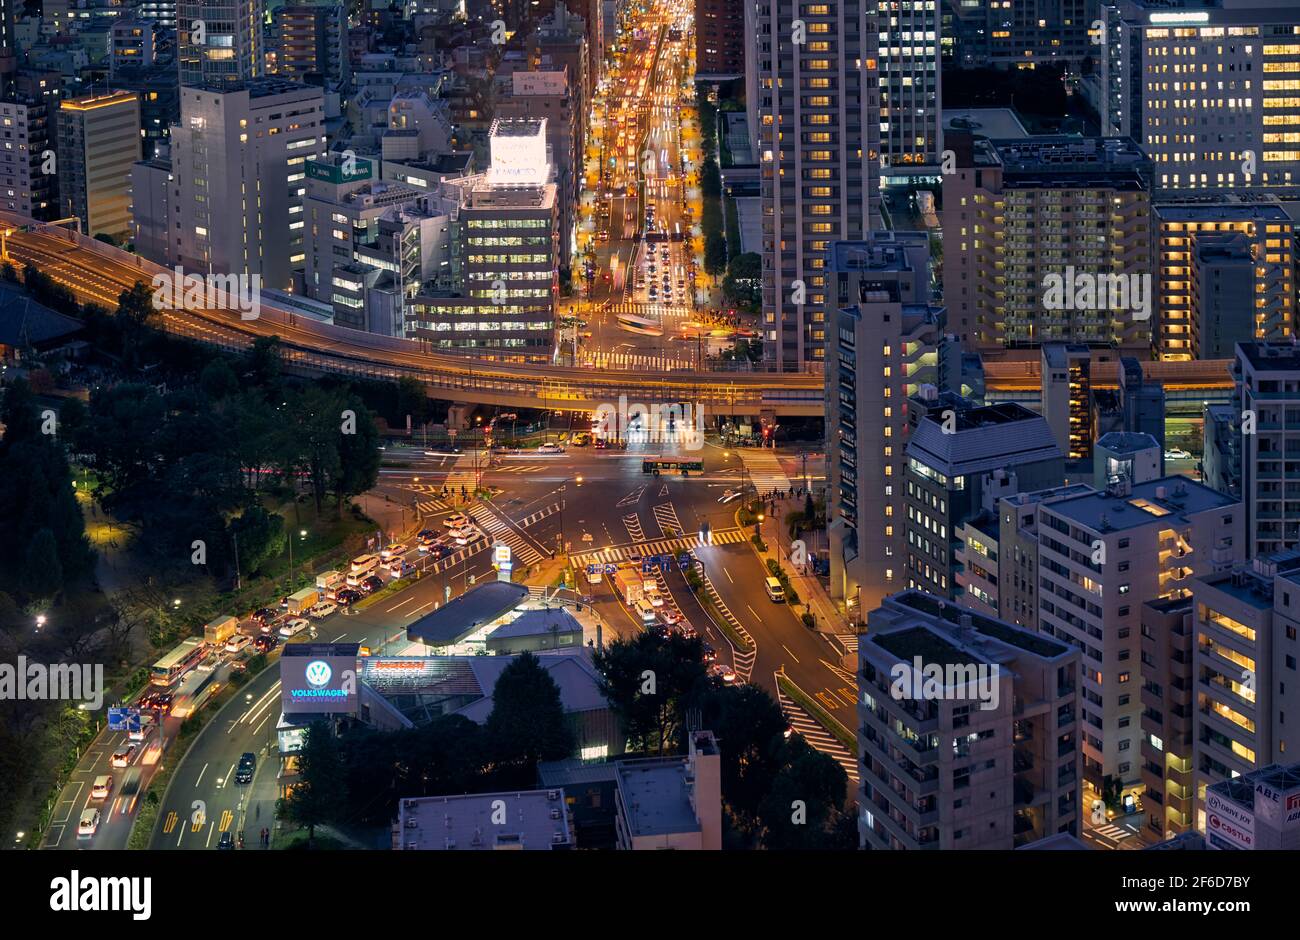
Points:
(135, 307)
(715, 254)
(527, 724)
(805, 807)
(751, 723)
(261, 536)
(358, 452)
(218, 380)
(742, 284)
(42, 571)
(649, 682)
(320, 795)
(263, 361)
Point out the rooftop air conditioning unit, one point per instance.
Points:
(552, 794)
(555, 814)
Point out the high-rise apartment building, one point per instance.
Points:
(719, 39)
(99, 140)
(1169, 797)
(910, 130)
(1020, 216)
(987, 757)
(1208, 92)
(1243, 663)
(953, 457)
(1267, 379)
(889, 341)
(1101, 556)
(814, 114)
(237, 178)
(312, 41)
(219, 41)
(1254, 274)
(1018, 551)
(29, 147)
(1067, 398)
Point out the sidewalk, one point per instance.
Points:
(830, 618)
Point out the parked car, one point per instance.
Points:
(1177, 453)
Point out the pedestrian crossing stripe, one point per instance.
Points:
(765, 471)
(495, 527)
(658, 547)
(817, 736)
(1113, 832)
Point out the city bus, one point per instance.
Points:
(635, 324)
(671, 466)
(188, 654)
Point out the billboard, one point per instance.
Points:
(1227, 824)
(1277, 805)
(319, 678)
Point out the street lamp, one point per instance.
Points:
(40, 622)
(758, 526)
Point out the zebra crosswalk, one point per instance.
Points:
(666, 516)
(497, 529)
(1113, 832)
(632, 522)
(648, 310)
(816, 735)
(849, 641)
(621, 553)
(765, 471)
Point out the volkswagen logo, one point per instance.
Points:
(318, 673)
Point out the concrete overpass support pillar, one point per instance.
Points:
(458, 415)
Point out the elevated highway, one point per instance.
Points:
(98, 272)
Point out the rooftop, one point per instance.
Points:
(533, 820)
(1270, 357)
(538, 623)
(1027, 640)
(656, 795)
(457, 619)
(1152, 501)
(1241, 790)
(985, 438)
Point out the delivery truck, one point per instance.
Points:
(302, 601)
(327, 582)
(216, 633)
(630, 585)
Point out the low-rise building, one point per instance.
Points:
(532, 820)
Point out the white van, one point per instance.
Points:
(774, 590)
(364, 563)
(645, 610)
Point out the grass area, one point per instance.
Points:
(732, 227)
(823, 717)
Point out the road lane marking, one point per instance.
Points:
(199, 779)
(226, 778)
(170, 822)
(792, 655)
(728, 574)
(402, 604)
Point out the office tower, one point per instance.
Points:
(99, 139)
(313, 41)
(503, 306)
(1267, 377)
(1258, 304)
(1103, 554)
(547, 94)
(359, 228)
(1268, 798)
(1221, 448)
(910, 132)
(1244, 669)
(159, 94)
(987, 758)
(238, 173)
(1067, 397)
(1169, 797)
(814, 113)
(1023, 216)
(219, 41)
(29, 142)
(719, 39)
(1021, 35)
(951, 458)
(1018, 551)
(1142, 401)
(1209, 93)
(888, 341)
(560, 42)
(1126, 455)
